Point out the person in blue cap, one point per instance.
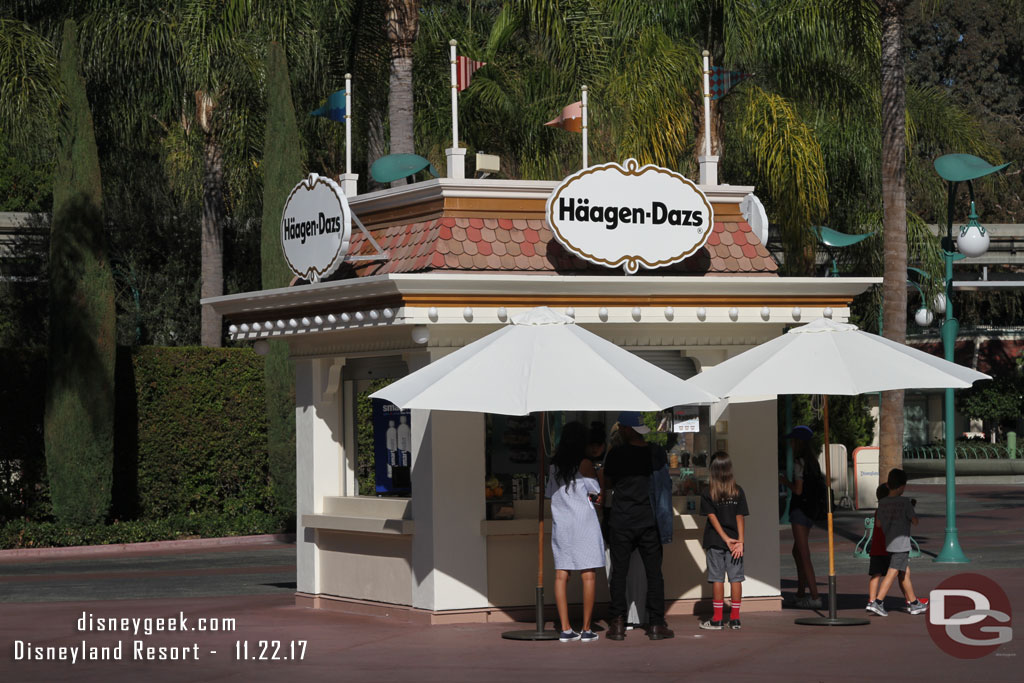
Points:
(807, 480)
(633, 471)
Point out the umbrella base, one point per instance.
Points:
(832, 621)
(537, 633)
(530, 635)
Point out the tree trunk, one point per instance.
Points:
(212, 237)
(403, 25)
(375, 146)
(894, 222)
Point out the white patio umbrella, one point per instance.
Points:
(541, 361)
(826, 357)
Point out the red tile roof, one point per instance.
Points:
(528, 245)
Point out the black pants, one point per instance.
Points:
(622, 542)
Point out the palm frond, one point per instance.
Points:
(788, 161)
(30, 93)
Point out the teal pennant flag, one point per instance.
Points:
(334, 109)
(722, 81)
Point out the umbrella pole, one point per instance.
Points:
(828, 502)
(540, 526)
(832, 619)
(539, 633)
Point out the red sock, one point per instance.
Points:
(717, 604)
(734, 613)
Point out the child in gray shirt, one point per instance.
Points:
(896, 515)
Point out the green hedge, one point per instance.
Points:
(190, 454)
(202, 432)
(22, 533)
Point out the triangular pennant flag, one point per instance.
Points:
(333, 109)
(571, 118)
(464, 70)
(722, 81)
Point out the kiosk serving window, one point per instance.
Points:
(512, 449)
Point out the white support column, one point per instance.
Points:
(449, 555)
(349, 180)
(456, 156)
(318, 458)
(708, 163)
(307, 555)
(751, 426)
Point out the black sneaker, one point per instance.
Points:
(711, 625)
(568, 636)
(588, 636)
(734, 624)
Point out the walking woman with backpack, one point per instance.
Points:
(808, 488)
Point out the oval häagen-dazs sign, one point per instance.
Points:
(630, 216)
(316, 228)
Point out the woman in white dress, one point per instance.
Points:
(576, 542)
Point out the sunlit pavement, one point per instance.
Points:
(42, 602)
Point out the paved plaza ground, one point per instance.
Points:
(43, 597)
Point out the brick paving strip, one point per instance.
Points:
(143, 548)
(349, 648)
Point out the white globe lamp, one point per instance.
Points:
(973, 238)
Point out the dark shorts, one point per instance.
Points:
(899, 561)
(797, 516)
(879, 565)
(720, 563)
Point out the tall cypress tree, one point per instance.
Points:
(282, 169)
(79, 421)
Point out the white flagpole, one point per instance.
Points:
(583, 106)
(708, 163)
(455, 96)
(348, 123)
(350, 180)
(455, 155)
(707, 104)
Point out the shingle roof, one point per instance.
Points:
(528, 245)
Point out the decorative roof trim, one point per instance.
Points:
(441, 286)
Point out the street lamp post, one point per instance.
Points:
(973, 241)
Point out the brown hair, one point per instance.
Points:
(723, 484)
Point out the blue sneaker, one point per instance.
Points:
(588, 636)
(568, 636)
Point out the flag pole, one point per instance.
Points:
(455, 95)
(456, 156)
(348, 123)
(583, 106)
(707, 103)
(349, 181)
(708, 163)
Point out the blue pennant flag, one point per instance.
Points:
(334, 109)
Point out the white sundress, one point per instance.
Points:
(576, 541)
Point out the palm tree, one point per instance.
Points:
(402, 27)
(894, 203)
(199, 65)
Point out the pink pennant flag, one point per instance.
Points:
(464, 70)
(571, 118)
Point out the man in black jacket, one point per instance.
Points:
(628, 469)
